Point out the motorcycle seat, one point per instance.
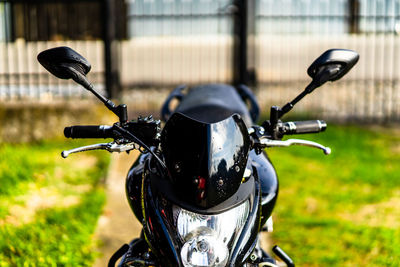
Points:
(211, 103)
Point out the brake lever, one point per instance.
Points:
(278, 143)
(110, 147)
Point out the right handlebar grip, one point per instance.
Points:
(300, 127)
(88, 131)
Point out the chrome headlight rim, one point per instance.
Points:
(208, 239)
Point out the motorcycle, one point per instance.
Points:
(203, 187)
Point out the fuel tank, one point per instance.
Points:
(261, 168)
(133, 185)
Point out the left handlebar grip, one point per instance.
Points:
(301, 127)
(89, 131)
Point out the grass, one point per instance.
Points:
(337, 210)
(50, 205)
(342, 209)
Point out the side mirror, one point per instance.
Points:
(332, 65)
(65, 63)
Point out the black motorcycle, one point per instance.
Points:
(203, 187)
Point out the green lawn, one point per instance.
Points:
(49, 205)
(337, 210)
(342, 209)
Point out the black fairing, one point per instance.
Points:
(265, 172)
(134, 185)
(206, 161)
(156, 217)
(261, 166)
(160, 225)
(202, 148)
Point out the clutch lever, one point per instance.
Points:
(110, 147)
(265, 142)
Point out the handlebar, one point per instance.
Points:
(89, 131)
(148, 130)
(270, 136)
(301, 127)
(140, 134)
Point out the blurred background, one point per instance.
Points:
(140, 50)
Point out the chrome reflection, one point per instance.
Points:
(207, 238)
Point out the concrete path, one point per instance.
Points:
(117, 225)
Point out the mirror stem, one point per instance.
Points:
(288, 107)
(120, 110)
(277, 112)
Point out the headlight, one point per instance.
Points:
(206, 238)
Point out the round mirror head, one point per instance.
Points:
(58, 61)
(337, 62)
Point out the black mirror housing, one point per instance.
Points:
(59, 61)
(65, 63)
(333, 64)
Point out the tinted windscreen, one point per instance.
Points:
(206, 161)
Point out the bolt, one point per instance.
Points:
(253, 257)
(177, 167)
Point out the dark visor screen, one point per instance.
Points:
(206, 161)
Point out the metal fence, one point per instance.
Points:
(172, 42)
(158, 44)
(29, 27)
(283, 38)
(290, 34)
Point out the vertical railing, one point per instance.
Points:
(111, 55)
(28, 27)
(157, 44)
(291, 34)
(240, 42)
(172, 42)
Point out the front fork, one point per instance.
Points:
(138, 254)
